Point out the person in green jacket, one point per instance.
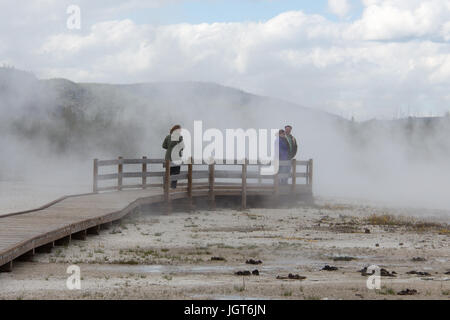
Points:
(293, 147)
(174, 141)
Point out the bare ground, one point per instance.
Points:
(154, 256)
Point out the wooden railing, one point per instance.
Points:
(207, 179)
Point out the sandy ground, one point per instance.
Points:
(150, 255)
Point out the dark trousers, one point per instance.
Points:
(284, 169)
(174, 171)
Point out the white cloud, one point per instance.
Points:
(403, 19)
(396, 54)
(339, 7)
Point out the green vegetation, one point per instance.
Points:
(386, 291)
(408, 223)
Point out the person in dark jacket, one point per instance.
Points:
(173, 143)
(282, 147)
(293, 147)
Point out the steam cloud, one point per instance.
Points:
(54, 128)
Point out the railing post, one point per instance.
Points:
(95, 178)
(144, 172)
(310, 173)
(167, 185)
(244, 185)
(276, 182)
(259, 174)
(294, 175)
(307, 173)
(190, 183)
(212, 198)
(119, 174)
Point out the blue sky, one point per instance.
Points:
(209, 11)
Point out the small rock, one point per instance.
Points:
(295, 276)
(343, 258)
(400, 244)
(251, 261)
(418, 259)
(217, 259)
(291, 277)
(419, 273)
(329, 268)
(377, 245)
(407, 292)
(383, 272)
(367, 230)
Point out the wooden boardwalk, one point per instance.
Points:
(24, 234)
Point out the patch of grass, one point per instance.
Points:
(422, 226)
(167, 277)
(198, 252)
(224, 246)
(409, 223)
(386, 291)
(446, 292)
(239, 288)
(334, 207)
(385, 220)
(287, 294)
(345, 228)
